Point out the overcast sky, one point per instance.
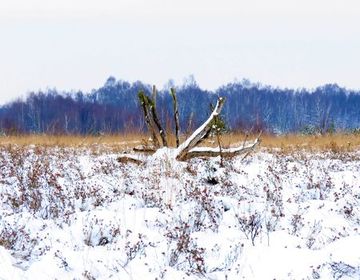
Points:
(78, 44)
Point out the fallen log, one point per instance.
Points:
(217, 151)
(145, 149)
(126, 158)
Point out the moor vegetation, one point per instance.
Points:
(340, 142)
(72, 209)
(76, 212)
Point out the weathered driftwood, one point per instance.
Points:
(154, 94)
(148, 105)
(158, 125)
(151, 103)
(145, 149)
(176, 116)
(218, 151)
(144, 101)
(129, 158)
(194, 139)
(187, 149)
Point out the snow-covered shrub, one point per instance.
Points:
(100, 219)
(211, 176)
(341, 269)
(319, 182)
(35, 182)
(9, 236)
(135, 248)
(250, 225)
(99, 231)
(183, 250)
(207, 211)
(297, 223)
(313, 235)
(274, 203)
(17, 238)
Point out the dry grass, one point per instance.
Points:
(330, 142)
(121, 141)
(334, 142)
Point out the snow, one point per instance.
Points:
(79, 214)
(244, 146)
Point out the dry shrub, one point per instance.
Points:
(185, 255)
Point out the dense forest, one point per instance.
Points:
(114, 108)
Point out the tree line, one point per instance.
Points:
(115, 108)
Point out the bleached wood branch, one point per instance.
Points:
(187, 149)
(194, 139)
(226, 153)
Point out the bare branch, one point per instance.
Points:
(191, 142)
(226, 153)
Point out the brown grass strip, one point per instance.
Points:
(331, 142)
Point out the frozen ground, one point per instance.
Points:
(79, 214)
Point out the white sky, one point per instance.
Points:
(77, 44)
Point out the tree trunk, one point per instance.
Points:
(145, 105)
(158, 124)
(154, 94)
(176, 116)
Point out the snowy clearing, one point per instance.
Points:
(80, 214)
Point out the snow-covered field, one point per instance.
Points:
(80, 214)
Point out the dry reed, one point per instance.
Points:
(330, 142)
